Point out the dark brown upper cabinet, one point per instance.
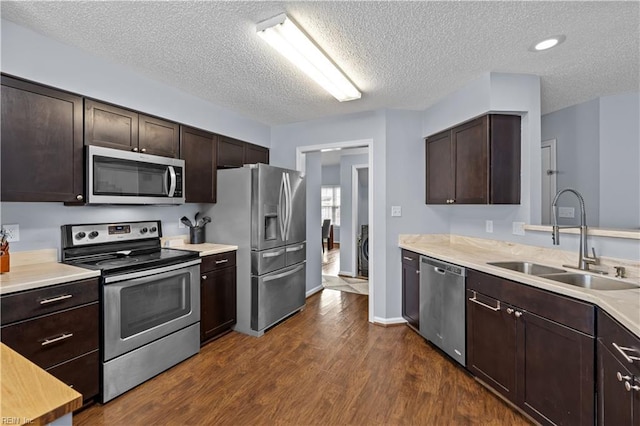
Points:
(42, 150)
(199, 151)
(477, 162)
(234, 153)
(119, 128)
(255, 154)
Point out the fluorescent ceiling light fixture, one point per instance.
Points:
(330, 149)
(548, 43)
(288, 39)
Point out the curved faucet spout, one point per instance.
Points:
(583, 260)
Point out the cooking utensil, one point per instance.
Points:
(185, 220)
(205, 220)
(195, 221)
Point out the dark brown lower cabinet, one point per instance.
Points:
(541, 365)
(57, 328)
(618, 374)
(217, 295)
(411, 288)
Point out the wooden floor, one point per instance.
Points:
(325, 365)
(331, 261)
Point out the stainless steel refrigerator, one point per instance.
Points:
(262, 210)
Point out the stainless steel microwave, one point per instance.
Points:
(122, 177)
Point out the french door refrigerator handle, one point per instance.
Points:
(289, 207)
(281, 218)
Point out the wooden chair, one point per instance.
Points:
(326, 227)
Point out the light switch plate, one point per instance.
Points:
(567, 212)
(13, 232)
(518, 228)
(488, 226)
(396, 211)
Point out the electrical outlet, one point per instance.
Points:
(180, 224)
(518, 228)
(13, 232)
(396, 211)
(488, 226)
(566, 212)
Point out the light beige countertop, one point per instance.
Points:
(205, 249)
(40, 268)
(474, 253)
(29, 394)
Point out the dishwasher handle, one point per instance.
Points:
(439, 270)
(443, 268)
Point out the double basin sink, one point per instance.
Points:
(573, 278)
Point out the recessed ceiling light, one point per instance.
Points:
(547, 43)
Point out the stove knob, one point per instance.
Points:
(153, 229)
(80, 235)
(143, 231)
(93, 234)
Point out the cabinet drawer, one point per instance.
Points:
(611, 332)
(217, 261)
(42, 301)
(80, 373)
(55, 338)
(564, 310)
(410, 258)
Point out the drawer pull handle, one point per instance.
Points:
(622, 350)
(290, 249)
(474, 299)
(628, 387)
(271, 254)
(221, 261)
(620, 377)
(63, 336)
(56, 299)
(410, 259)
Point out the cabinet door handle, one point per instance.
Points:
(135, 149)
(622, 350)
(620, 377)
(143, 150)
(79, 197)
(204, 277)
(628, 387)
(410, 259)
(56, 299)
(63, 336)
(476, 301)
(509, 311)
(518, 314)
(418, 271)
(221, 261)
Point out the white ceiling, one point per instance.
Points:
(405, 55)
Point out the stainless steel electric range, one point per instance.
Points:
(150, 299)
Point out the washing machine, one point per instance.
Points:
(363, 252)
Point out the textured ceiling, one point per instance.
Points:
(405, 55)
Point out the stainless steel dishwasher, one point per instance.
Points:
(442, 306)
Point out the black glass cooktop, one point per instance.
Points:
(120, 262)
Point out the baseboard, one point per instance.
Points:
(385, 322)
(346, 274)
(314, 291)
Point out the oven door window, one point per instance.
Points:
(113, 176)
(153, 303)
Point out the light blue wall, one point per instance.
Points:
(348, 245)
(30, 55)
(620, 160)
(313, 178)
(576, 130)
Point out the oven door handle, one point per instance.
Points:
(148, 272)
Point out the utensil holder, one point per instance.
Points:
(196, 235)
(5, 262)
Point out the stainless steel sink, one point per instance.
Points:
(590, 281)
(527, 268)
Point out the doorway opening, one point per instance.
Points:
(345, 236)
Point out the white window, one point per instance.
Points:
(331, 204)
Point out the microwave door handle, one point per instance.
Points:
(172, 176)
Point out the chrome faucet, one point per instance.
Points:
(584, 260)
